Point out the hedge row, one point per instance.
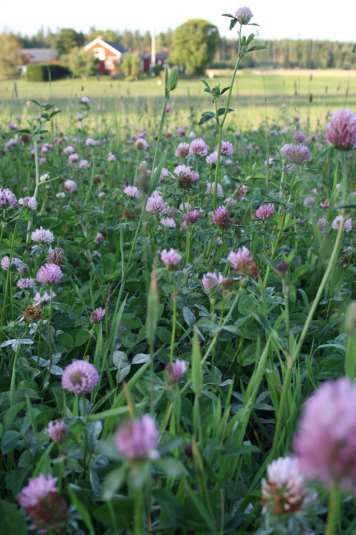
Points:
(46, 73)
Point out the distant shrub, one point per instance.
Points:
(80, 63)
(46, 73)
(131, 66)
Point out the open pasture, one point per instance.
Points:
(259, 95)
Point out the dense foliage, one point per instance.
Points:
(193, 45)
(45, 73)
(280, 53)
(80, 63)
(10, 56)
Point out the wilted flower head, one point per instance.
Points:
(29, 202)
(283, 490)
(191, 217)
(186, 176)
(180, 131)
(182, 150)
(155, 203)
(171, 258)
(141, 143)
(137, 440)
(221, 217)
(69, 150)
(337, 222)
(326, 438)
(341, 131)
(90, 142)
(244, 15)
(299, 137)
(168, 222)
(99, 238)
(198, 147)
(297, 153)
(45, 507)
(175, 370)
(80, 377)
(57, 431)
(55, 256)
(97, 315)
(265, 211)
(73, 158)
(132, 191)
(212, 279)
(212, 158)
(42, 235)
(322, 223)
(70, 186)
(5, 263)
(84, 164)
(40, 300)
(7, 198)
(49, 274)
(242, 261)
(25, 284)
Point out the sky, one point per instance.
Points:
(304, 19)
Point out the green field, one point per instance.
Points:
(310, 94)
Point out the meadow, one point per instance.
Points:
(260, 95)
(178, 324)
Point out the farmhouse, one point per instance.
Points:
(108, 54)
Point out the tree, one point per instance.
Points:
(10, 56)
(131, 66)
(193, 45)
(67, 39)
(80, 63)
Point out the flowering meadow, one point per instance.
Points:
(178, 330)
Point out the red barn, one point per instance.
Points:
(160, 58)
(109, 55)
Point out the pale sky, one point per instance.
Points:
(317, 19)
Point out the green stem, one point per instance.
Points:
(222, 122)
(333, 511)
(174, 326)
(138, 527)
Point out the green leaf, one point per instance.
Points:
(11, 519)
(188, 316)
(221, 111)
(207, 86)
(85, 516)
(171, 80)
(113, 482)
(206, 116)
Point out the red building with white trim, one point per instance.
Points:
(108, 54)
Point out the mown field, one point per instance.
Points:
(260, 95)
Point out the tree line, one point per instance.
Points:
(193, 46)
(285, 53)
